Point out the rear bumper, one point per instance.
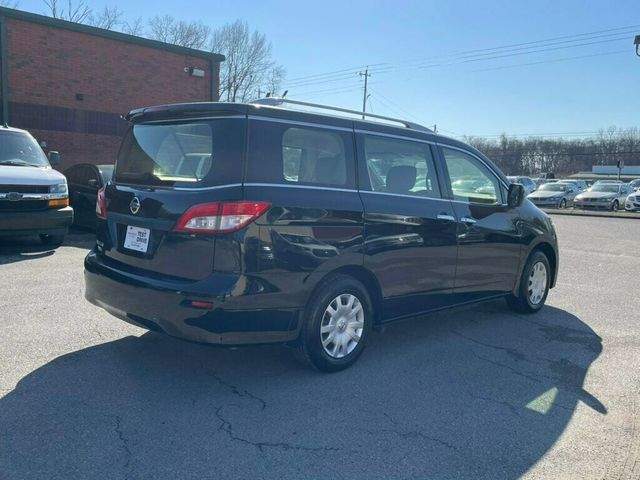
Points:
(238, 316)
(53, 221)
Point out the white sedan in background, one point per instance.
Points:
(632, 204)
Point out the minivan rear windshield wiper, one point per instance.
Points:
(146, 178)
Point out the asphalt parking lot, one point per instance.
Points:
(472, 393)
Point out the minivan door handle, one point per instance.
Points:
(446, 217)
(468, 220)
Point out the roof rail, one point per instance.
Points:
(278, 101)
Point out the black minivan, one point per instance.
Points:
(252, 223)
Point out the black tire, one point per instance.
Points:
(563, 203)
(615, 206)
(311, 338)
(53, 240)
(522, 302)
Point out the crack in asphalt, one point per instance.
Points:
(242, 393)
(227, 427)
(411, 434)
(238, 392)
(512, 352)
(125, 444)
(504, 403)
(513, 370)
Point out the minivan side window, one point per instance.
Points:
(284, 153)
(401, 167)
(471, 180)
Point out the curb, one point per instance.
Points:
(587, 213)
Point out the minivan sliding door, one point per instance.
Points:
(410, 230)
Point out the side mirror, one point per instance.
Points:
(54, 158)
(515, 197)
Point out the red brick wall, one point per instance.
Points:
(80, 147)
(49, 66)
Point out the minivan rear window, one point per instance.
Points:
(191, 154)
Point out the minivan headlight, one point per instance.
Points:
(59, 189)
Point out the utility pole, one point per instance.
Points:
(435, 128)
(366, 76)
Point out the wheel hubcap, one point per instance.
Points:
(537, 283)
(342, 325)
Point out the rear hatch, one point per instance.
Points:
(164, 168)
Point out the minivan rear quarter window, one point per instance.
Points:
(284, 153)
(192, 154)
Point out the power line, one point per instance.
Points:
(470, 55)
(509, 48)
(306, 77)
(629, 27)
(502, 67)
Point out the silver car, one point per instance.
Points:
(554, 195)
(603, 196)
(632, 204)
(581, 185)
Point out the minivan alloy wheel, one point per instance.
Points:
(537, 283)
(342, 325)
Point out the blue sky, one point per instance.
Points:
(418, 71)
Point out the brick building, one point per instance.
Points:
(69, 84)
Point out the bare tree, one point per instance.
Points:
(186, 34)
(109, 19)
(135, 27)
(560, 155)
(248, 65)
(273, 80)
(78, 12)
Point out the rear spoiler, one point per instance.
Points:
(185, 110)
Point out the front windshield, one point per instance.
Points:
(18, 148)
(553, 187)
(604, 187)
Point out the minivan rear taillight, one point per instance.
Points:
(101, 205)
(221, 217)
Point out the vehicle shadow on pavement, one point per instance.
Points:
(18, 249)
(472, 393)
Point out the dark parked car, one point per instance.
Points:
(310, 229)
(84, 181)
(33, 196)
